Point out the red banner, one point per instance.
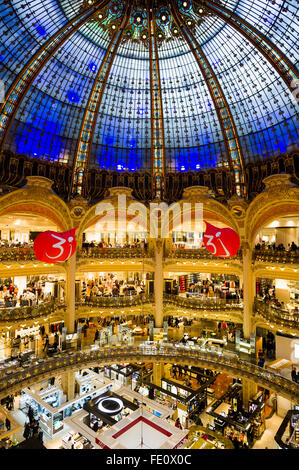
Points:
(55, 247)
(222, 242)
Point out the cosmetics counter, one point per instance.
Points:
(122, 374)
(163, 412)
(75, 440)
(143, 374)
(287, 436)
(230, 419)
(107, 410)
(50, 407)
(206, 342)
(87, 380)
(184, 400)
(200, 437)
(113, 335)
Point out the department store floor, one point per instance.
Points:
(222, 382)
(197, 328)
(220, 386)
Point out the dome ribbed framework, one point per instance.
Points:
(149, 86)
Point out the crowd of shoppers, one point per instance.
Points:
(110, 286)
(31, 427)
(87, 246)
(31, 296)
(15, 244)
(292, 247)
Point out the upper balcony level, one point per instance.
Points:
(113, 253)
(197, 254)
(269, 255)
(277, 316)
(25, 252)
(203, 303)
(281, 319)
(42, 368)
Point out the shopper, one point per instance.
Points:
(178, 423)
(55, 345)
(27, 431)
(84, 329)
(35, 428)
(46, 345)
(294, 374)
(40, 435)
(11, 403)
(7, 424)
(30, 414)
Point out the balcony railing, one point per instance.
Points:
(275, 314)
(8, 314)
(17, 254)
(96, 252)
(201, 253)
(213, 303)
(217, 360)
(116, 302)
(269, 255)
(27, 253)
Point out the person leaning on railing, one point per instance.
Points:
(292, 247)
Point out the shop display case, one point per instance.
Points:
(87, 380)
(122, 373)
(287, 436)
(107, 410)
(75, 440)
(242, 427)
(52, 418)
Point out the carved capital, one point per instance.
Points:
(78, 207)
(39, 183)
(196, 193)
(278, 184)
(238, 206)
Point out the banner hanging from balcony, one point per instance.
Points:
(55, 247)
(221, 242)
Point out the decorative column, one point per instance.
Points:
(248, 290)
(159, 283)
(78, 206)
(249, 389)
(70, 288)
(68, 384)
(158, 372)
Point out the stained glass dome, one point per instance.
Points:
(149, 85)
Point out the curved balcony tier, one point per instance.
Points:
(116, 302)
(16, 314)
(274, 256)
(213, 303)
(143, 305)
(17, 254)
(113, 253)
(277, 316)
(40, 369)
(201, 253)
